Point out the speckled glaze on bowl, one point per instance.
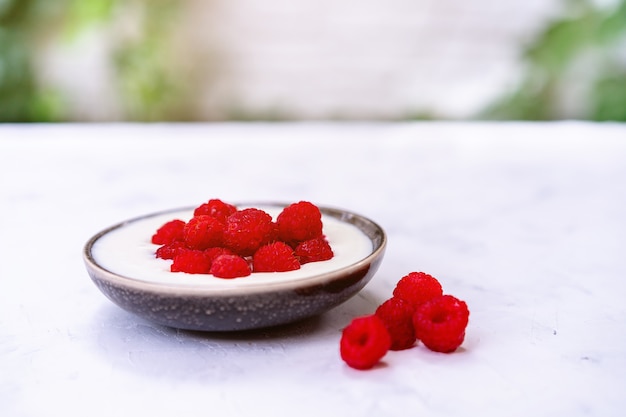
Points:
(239, 307)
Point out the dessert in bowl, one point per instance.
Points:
(121, 262)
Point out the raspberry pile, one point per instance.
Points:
(418, 310)
(228, 242)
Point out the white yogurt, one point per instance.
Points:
(127, 251)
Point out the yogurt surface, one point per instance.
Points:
(127, 251)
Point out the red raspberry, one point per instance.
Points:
(398, 318)
(213, 253)
(364, 342)
(417, 288)
(314, 250)
(230, 266)
(202, 232)
(275, 257)
(170, 250)
(299, 222)
(440, 323)
(215, 208)
(169, 232)
(192, 262)
(247, 230)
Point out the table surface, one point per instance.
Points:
(525, 222)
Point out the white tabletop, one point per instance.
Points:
(525, 222)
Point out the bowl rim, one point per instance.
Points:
(229, 291)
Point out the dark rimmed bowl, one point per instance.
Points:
(235, 307)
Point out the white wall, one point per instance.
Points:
(316, 59)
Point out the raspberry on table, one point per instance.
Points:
(397, 315)
(203, 232)
(230, 266)
(247, 230)
(169, 232)
(299, 222)
(314, 250)
(215, 208)
(191, 261)
(440, 323)
(417, 288)
(364, 342)
(275, 257)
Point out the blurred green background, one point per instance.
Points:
(152, 85)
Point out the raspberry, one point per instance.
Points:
(247, 230)
(215, 208)
(213, 253)
(314, 250)
(230, 266)
(364, 342)
(275, 257)
(440, 323)
(417, 288)
(170, 250)
(397, 315)
(299, 222)
(218, 228)
(191, 261)
(202, 232)
(169, 232)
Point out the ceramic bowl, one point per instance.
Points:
(228, 305)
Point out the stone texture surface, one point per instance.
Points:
(525, 222)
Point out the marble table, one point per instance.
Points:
(525, 222)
